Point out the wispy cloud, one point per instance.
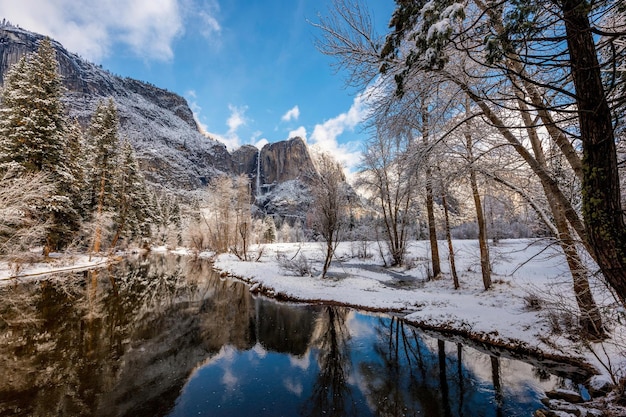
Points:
(324, 136)
(300, 132)
(147, 27)
(292, 114)
(236, 119)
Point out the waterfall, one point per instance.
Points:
(258, 173)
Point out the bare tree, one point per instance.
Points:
(387, 176)
(547, 49)
(330, 209)
(243, 217)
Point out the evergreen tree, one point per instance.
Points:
(269, 230)
(132, 214)
(76, 165)
(33, 134)
(104, 147)
(166, 218)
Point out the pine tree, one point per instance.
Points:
(76, 165)
(269, 229)
(132, 215)
(104, 146)
(33, 134)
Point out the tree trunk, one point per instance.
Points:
(430, 211)
(432, 227)
(98, 233)
(455, 277)
(602, 211)
(480, 218)
(590, 317)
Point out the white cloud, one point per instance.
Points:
(236, 119)
(292, 114)
(93, 30)
(261, 143)
(300, 132)
(324, 136)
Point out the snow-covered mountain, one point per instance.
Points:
(159, 124)
(172, 152)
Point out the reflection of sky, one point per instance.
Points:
(265, 383)
(247, 384)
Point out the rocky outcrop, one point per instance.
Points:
(159, 124)
(284, 161)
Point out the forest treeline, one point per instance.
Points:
(519, 98)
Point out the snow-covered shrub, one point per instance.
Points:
(299, 265)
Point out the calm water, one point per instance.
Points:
(164, 336)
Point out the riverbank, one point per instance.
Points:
(530, 308)
(24, 269)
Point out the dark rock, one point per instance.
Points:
(286, 160)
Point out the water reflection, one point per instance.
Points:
(166, 336)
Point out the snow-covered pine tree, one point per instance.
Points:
(269, 229)
(104, 146)
(33, 130)
(132, 215)
(76, 165)
(166, 218)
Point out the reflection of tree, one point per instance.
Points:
(393, 386)
(331, 395)
(281, 328)
(497, 386)
(443, 378)
(412, 374)
(113, 341)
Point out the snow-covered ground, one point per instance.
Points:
(24, 270)
(528, 308)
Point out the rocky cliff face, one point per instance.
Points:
(275, 163)
(159, 124)
(284, 161)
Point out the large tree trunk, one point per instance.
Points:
(98, 233)
(455, 277)
(432, 226)
(602, 210)
(590, 317)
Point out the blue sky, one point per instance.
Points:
(249, 69)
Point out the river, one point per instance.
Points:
(166, 336)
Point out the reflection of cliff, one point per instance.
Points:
(125, 343)
(284, 329)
